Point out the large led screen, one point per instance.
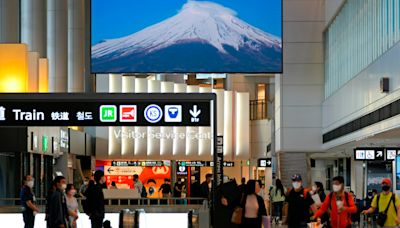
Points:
(186, 36)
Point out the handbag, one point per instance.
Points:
(382, 216)
(237, 216)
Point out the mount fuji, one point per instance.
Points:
(202, 37)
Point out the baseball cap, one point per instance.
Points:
(387, 181)
(296, 177)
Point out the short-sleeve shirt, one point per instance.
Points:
(383, 202)
(26, 195)
(180, 187)
(299, 205)
(166, 188)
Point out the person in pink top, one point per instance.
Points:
(253, 205)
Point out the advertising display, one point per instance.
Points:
(181, 36)
(152, 177)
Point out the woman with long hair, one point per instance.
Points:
(318, 188)
(253, 205)
(278, 198)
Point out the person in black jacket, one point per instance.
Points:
(206, 186)
(95, 200)
(57, 208)
(228, 197)
(253, 205)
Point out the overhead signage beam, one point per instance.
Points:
(375, 154)
(105, 109)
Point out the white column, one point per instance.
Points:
(192, 144)
(141, 142)
(76, 45)
(166, 144)
(178, 148)
(153, 144)
(205, 144)
(33, 25)
(9, 21)
(228, 124)
(242, 130)
(57, 44)
(127, 144)
(102, 137)
(33, 72)
(114, 143)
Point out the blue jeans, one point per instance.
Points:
(278, 209)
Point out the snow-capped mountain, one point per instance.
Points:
(202, 37)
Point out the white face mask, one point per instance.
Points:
(72, 192)
(314, 188)
(336, 188)
(296, 185)
(30, 184)
(85, 183)
(63, 187)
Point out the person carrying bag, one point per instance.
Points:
(252, 210)
(388, 205)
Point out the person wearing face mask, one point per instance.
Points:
(298, 203)
(83, 187)
(95, 200)
(340, 203)
(57, 208)
(367, 204)
(387, 203)
(318, 188)
(28, 202)
(72, 205)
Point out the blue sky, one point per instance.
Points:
(118, 18)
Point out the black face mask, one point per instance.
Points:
(385, 188)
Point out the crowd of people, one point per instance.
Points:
(244, 205)
(298, 206)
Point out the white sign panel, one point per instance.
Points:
(122, 170)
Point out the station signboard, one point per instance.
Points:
(264, 163)
(375, 154)
(104, 109)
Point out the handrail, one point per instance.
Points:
(124, 201)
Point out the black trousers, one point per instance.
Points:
(97, 221)
(29, 219)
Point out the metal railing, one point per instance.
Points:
(114, 205)
(258, 110)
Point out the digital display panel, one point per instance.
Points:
(181, 36)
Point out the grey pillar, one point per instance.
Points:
(76, 45)
(90, 79)
(57, 44)
(9, 21)
(33, 25)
